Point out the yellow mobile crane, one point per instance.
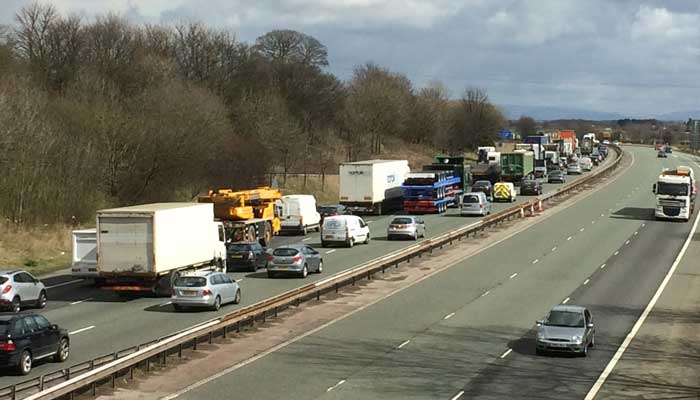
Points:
(248, 215)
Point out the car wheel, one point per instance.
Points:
(178, 307)
(584, 352)
(16, 304)
(415, 235)
(237, 297)
(41, 301)
(304, 272)
(593, 340)
(368, 239)
(389, 237)
(217, 303)
(539, 352)
(304, 231)
(320, 267)
(62, 351)
(351, 242)
(25, 363)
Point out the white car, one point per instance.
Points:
(344, 229)
(586, 163)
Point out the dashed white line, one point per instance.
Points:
(306, 240)
(616, 253)
(504, 355)
(82, 330)
(627, 242)
(536, 260)
(554, 248)
(586, 281)
(80, 301)
(566, 300)
(335, 386)
(592, 222)
(458, 395)
(602, 266)
(486, 293)
(450, 315)
(330, 251)
(569, 238)
(64, 283)
(643, 225)
(239, 280)
(166, 304)
(582, 229)
(404, 343)
(602, 215)
(513, 276)
(636, 233)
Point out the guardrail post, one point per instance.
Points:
(194, 344)
(148, 364)
(238, 326)
(353, 281)
(13, 392)
(165, 357)
(225, 331)
(41, 383)
(318, 295)
(131, 373)
(94, 389)
(369, 275)
(275, 311)
(179, 351)
(114, 380)
(265, 316)
(211, 334)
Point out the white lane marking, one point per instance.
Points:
(166, 304)
(80, 301)
(554, 248)
(369, 222)
(87, 328)
(504, 355)
(602, 266)
(458, 395)
(64, 284)
(569, 238)
(592, 222)
(513, 276)
(536, 260)
(586, 281)
(486, 293)
(450, 315)
(566, 300)
(627, 242)
(335, 386)
(330, 251)
(643, 225)
(582, 229)
(616, 253)
(623, 347)
(636, 233)
(602, 215)
(404, 343)
(239, 280)
(306, 240)
(637, 188)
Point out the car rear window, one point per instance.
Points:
(190, 281)
(285, 252)
(482, 183)
(402, 221)
(4, 327)
(3, 279)
(333, 224)
(239, 247)
(471, 199)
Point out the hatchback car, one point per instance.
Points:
(556, 177)
(19, 289)
(245, 255)
(411, 227)
(483, 186)
(475, 203)
(574, 169)
(567, 328)
(328, 210)
(27, 337)
(586, 163)
(296, 259)
(205, 289)
(531, 187)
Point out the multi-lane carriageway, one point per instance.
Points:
(468, 331)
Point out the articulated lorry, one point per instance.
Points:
(373, 186)
(144, 248)
(488, 165)
(517, 165)
(675, 191)
(438, 186)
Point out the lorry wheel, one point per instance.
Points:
(251, 234)
(267, 237)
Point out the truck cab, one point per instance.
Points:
(675, 194)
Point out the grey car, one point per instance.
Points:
(19, 289)
(407, 227)
(205, 289)
(296, 259)
(567, 328)
(475, 203)
(574, 169)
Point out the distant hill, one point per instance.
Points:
(547, 113)
(679, 116)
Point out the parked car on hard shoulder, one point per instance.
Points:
(347, 230)
(20, 289)
(475, 203)
(556, 177)
(205, 289)
(504, 191)
(28, 337)
(483, 186)
(566, 328)
(295, 259)
(299, 213)
(245, 256)
(574, 169)
(531, 187)
(329, 210)
(407, 227)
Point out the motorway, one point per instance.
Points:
(101, 322)
(468, 331)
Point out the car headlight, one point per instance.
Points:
(541, 336)
(578, 339)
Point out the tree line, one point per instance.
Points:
(107, 112)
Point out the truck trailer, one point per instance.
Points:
(517, 165)
(372, 186)
(438, 186)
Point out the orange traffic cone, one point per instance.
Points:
(522, 213)
(532, 210)
(539, 206)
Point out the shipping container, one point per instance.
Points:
(516, 165)
(372, 186)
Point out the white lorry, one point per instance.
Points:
(675, 191)
(84, 258)
(144, 248)
(373, 186)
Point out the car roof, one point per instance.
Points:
(199, 274)
(245, 242)
(568, 308)
(10, 271)
(294, 246)
(483, 182)
(480, 194)
(341, 217)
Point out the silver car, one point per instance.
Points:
(19, 289)
(297, 259)
(206, 289)
(475, 203)
(410, 227)
(574, 169)
(567, 328)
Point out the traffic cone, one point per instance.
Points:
(532, 210)
(539, 206)
(522, 213)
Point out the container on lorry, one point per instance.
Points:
(145, 247)
(516, 165)
(84, 258)
(438, 186)
(299, 213)
(569, 137)
(675, 191)
(586, 146)
(373, 186)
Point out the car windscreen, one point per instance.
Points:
(528, 183)
(327, 209)
(239, 247)
(674, 189)
(568, 319)
(470, 199)
(402, 221)
(190, 281)
(482, 183)
(285, 252)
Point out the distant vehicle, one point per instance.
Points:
(297, 259)
(329, 210)
(661, 154)
(574, 169)
(531, 187)
(205, 289)
(616, 142)
(606, 142)
(84, 254)
(27, 337)
(504, 191)
(344, 229)
(567, 328)
(475, 203)
(675, 191)
(556, 177)
(373, 186)
(20, 289)
(299, 213)
(406, 226)
(668, 149)
(245, 255)
(586, 163)
(483, 186)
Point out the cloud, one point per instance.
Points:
(661, 25)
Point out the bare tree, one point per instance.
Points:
(291, 46)
(476, 121)
(526, 126)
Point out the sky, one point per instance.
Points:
(637, 58)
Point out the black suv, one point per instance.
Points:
(246, 255)
(27, 337)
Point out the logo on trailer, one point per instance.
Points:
(391, 179)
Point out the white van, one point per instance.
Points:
(299, 213)
(344, 229)
(84, 259)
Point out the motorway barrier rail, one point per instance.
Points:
(86, 376)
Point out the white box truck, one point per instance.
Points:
(373, 186)
(145, 247)
(84, 259)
